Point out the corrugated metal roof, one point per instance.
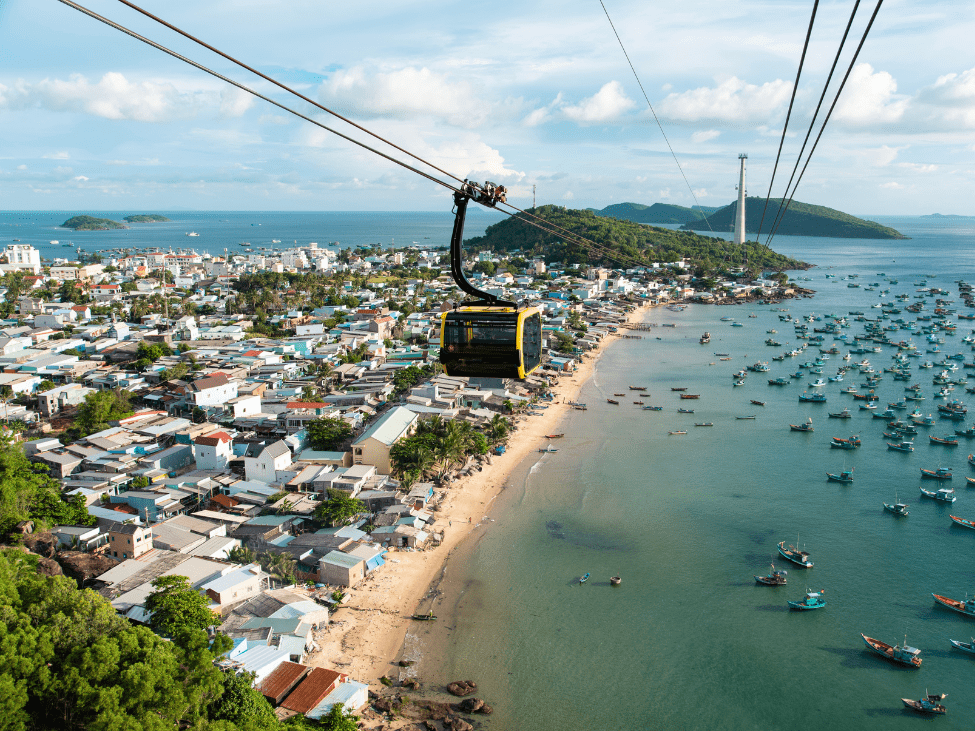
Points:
(313, 689)
(352, 694)
(389, 427)
(284, 677)
(298, 610)
(337, 558)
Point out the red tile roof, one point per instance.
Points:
(213, 438)
(307, 405)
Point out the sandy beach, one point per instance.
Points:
(366, 635)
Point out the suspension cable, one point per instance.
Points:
(785, 127)
(828, 115)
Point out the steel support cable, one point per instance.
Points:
(785, 127)
(653, 112)
(242, 87)
(284, 87)
(812, 122)
(826, 120)
(117, 26)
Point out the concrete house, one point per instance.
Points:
(373, 446)
(266, 461)
(127, 540)
(214, 390)
(213, 451)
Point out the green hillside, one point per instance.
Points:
(629, 241)
(657, 213)
(145, 218)
(802, 219)
(89, 223)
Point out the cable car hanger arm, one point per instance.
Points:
(488, 195)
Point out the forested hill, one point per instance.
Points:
(657, 213)
(632, 243)
(802, 219)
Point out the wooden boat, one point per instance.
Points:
(584, 578)
(638, 403)
(897, 508)
(653, 408)
(638, 388)
(425, 617)
(942, 473)
(815, 397)
(963, 522)
(966, 607)
(758, 403)
(852, 443)
(846, 476)
(945, 494)
(971, 460)
(685, 411)
(683, 388)
(898, 653)
(677, 432)
(795, 555)
(742, 418)
(901, 447)
(690, 395)
(946, 441)
(613, 401)
(929, 704)
(968, 433)
(619, 394)
(615, 580)
(968, 647)
(803, 427)
(705, 423)
(844, 414)
(773, 578)
(549, 448)
(812, 600)
(554, 436)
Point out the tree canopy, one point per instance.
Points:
(28, 493)
(178, 609)
(339, 507)
(101, 407)
(327, 432)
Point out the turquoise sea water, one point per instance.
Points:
(689, 641)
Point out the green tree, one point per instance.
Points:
(140, 482)
(177, 609)
(281, 565)
(328, 432)
(28, 493)
(101, 407)
(339, 508)
(241, 704)
(45, 385)
(241, 554)
(338, 720)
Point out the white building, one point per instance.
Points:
(22, 257)
(266, 461)
(213, 451)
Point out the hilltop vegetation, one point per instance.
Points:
(145, 218)
(802, 219)
(627, 240)
(90, 223)
(657, 213)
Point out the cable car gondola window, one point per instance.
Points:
(531, 341)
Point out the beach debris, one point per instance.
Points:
(461, 688)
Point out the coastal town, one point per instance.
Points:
(275, 427)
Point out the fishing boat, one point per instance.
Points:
(758, 403)
(812, 600)
(898, 653)
(968, 647)
(742, 418)
(803, 427)
(946, 441)
(644, 388)
(612, 401)
(705, 423)
(683, 388)
(584, 578)
(615, 580)
(549, 448)
(425, 617)
(705, 338)
(816, 397)
(844, 414)
(554, 436)
(677, 432)
(653, 408)
(852, 443)
(795, 555)
(971, 460)
(901, 447)
(966, 607)
(945, 494)
(690, 395)
(685, 411)
(897, 508)
(942, 473)
(619, 394)
(773, 577)
(638, 403)
(963, 522)
(780, 381)
(846, 476)
(928, 704)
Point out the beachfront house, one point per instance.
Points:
(373, 446)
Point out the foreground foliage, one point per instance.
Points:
(28, 493)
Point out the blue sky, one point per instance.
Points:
(519, 93)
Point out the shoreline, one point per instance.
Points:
(368, 632)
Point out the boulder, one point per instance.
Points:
(49, 567)
(411, 684)
(471, 705)
(460, 688)
(486, 710)
(459, 724)
(383, 706)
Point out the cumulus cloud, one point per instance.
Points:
(56, 156)
(116, 97)
(732, 101)
(949, 103)
(892, 185)
(878, 156)
(405, 93)
(607, 104)
(869, 98)
(470, 157)
(704, 136)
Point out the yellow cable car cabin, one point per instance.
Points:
(498, 342)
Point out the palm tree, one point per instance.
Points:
(241, 554)
(497, 430)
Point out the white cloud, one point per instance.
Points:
(949, 103)
(869, 98)
(699, 137)
(405, 93)
(56, 156)
(470, 157)
(21, 167)
(701, 192)
(607, 104)
(568, 195)
(234, 102)
(919, 167)
(892, 185)
(878, 156)
(731, 101)
(80, 178)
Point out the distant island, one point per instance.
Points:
(145, 218)
(621, 242)
(944, 215)
(89, 223)
(803, 219)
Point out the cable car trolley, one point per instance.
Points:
(487, 336)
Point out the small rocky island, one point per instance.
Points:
(145, 218)
(90, 223)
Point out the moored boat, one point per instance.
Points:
(690, 395)
(946, 441)
(942, 473)
(945, 494)
(773, 577)
(803, 427)
(897, 508)
(758, 403)
(812, 600)
(846, 476)
(844, 414)
(929, 704)
(815, 397)
(795, 555)
(966, 607)
(898, 653)
(962, 522)
(584, 578)
(968, 647)
(677, 432)
(612, 401)
(901, 447)
(554, 436)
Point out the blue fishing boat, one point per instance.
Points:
(901, 447)
(584, 578)
(966, 607)
(852, 443)
(897, 508)
(846, 476)
(898, 653)
(942, 473)
(928, 704)
(803, 427)
(773, 577)
(816, 397)
(812, 600)
(945, 494)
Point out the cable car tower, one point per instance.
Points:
(490, 336)
(739, 225)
